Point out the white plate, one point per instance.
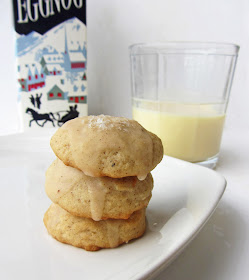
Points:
(184, 198)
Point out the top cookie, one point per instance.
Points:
(107, 146)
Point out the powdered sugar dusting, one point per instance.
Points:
(105, 122)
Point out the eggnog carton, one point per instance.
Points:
(51, 54)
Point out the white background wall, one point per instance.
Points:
(113, 25)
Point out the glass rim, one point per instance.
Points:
(185, 47)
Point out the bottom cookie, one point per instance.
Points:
(93, 235)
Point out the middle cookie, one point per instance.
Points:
(96, 198)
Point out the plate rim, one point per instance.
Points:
(164, 262)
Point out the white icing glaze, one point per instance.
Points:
(113, 234)
(64, 182)
(142, 177)
(55, 213)
(97, 195)
(87, 173)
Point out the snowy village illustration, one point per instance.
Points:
(51, 74)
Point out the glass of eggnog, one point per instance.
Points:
(180, 91)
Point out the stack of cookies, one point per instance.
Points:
(100, 183)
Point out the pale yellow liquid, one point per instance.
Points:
(189, 132)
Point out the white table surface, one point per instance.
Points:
(221, 249)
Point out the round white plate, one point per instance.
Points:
(184, 197)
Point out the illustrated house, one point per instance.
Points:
(51, 59)
(74, 60)
(77, 61)
(53, 70)
(77, 95)
(56, 93)
(30, 78)
(77, 99)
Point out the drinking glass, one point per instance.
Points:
(180, 91)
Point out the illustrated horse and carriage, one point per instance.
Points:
(59, 117)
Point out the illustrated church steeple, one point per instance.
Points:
(67, 64)
(66, 47)
(74, 59)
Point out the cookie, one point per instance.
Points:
(107, 146)
(96, 198)
(91, 235)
